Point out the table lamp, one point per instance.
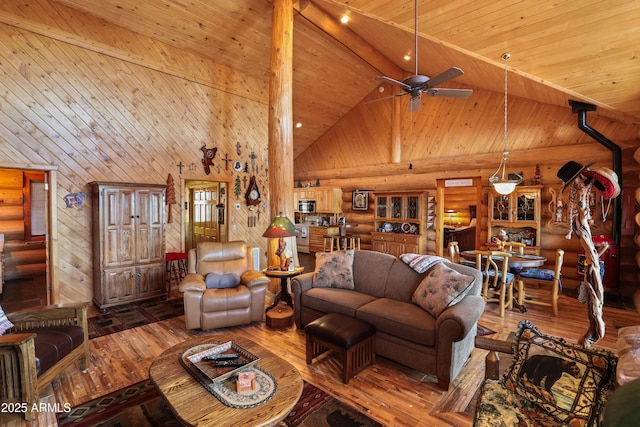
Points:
(280, 227)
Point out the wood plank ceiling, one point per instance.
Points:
(559, 50)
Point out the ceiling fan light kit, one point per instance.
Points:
(503, 182)
(417, 84)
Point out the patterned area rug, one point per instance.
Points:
(140, 405)
(132, 315)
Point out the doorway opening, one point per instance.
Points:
(458, 201)
(27, 231)
(206, 212)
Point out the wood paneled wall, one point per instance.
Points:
(447, 139)
(103, 103)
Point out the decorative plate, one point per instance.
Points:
(388, 227)
(405, 227)
(237, 166)
(413, 229)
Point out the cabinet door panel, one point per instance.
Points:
(151, 280)
(119, 285)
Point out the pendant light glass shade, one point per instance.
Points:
(503, 182)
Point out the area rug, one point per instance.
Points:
(484, 331)
(128, 316)
(140, 405)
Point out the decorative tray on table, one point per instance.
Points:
(217, 362)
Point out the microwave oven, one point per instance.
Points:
(306, 206)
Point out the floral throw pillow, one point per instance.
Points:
(5, 324)
(442, 287)
(334, 270)
(569, 382)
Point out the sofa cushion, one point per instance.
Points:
(221, 281)
(341, 301)
(5, 323)
(401, 319)
(371, 270)
(402, 282)
(442, 287)
(576, 380)
(334, 270)
(215, 300)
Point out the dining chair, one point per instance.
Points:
(454, 252)
(544, 277)
(497, 280)
(514, 247)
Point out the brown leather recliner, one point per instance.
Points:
(218, 308)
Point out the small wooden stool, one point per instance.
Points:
(352, 338)
(176, 267)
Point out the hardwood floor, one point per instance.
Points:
(390, 393)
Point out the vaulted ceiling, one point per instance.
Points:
(585, 50)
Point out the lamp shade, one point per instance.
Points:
(281, 226)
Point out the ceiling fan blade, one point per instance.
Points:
(445, 76)
(385, 97)
(414, 104)
(394, 82)
(449, 93)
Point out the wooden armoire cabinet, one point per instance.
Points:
(128, 242)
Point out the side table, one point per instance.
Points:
(284, 277)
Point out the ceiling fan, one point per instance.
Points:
(418, 84)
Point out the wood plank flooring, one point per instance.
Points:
(390, 393)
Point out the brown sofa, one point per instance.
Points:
(405, 333)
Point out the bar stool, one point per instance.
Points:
(351, 242)
(331, 241)
(176, 267)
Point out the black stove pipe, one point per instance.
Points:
(581, 109)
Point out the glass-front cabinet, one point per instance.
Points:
(400, 222)
(518, 214)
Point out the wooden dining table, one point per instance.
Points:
(517, 259)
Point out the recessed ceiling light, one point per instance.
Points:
(344, 19)
(298, 125)
(407, 57)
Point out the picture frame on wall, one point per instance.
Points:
(360, 200)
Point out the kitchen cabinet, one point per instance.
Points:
(518, 214)
(400, 222)
(128, 242)
(328, 199)
(316, 238)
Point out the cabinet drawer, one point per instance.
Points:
(408, 239)
(382, 237)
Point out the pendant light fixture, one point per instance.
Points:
(503, 182)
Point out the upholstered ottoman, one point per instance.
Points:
(352, 338)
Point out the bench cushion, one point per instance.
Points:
(54, 343)
(343, 331)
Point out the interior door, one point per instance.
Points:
(458, 201)
(204, 214)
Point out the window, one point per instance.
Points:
(35, 206)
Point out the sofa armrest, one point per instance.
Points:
(253, 278)
(299, 285)
(465, 314)
(193, 282)
(50, 315)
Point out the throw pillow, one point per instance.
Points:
(221, 281)
(5, 323)
(442, 287)
(334, 270)
(569, 382)
(421, 263)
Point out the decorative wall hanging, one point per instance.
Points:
(360, 200)
(170, 198)
(75, 200)
(252, 196)
(237, 166)
(207, 159)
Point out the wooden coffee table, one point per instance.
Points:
(194, 405)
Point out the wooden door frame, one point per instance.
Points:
(440, 190)
(187, 185)
(51, 239)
